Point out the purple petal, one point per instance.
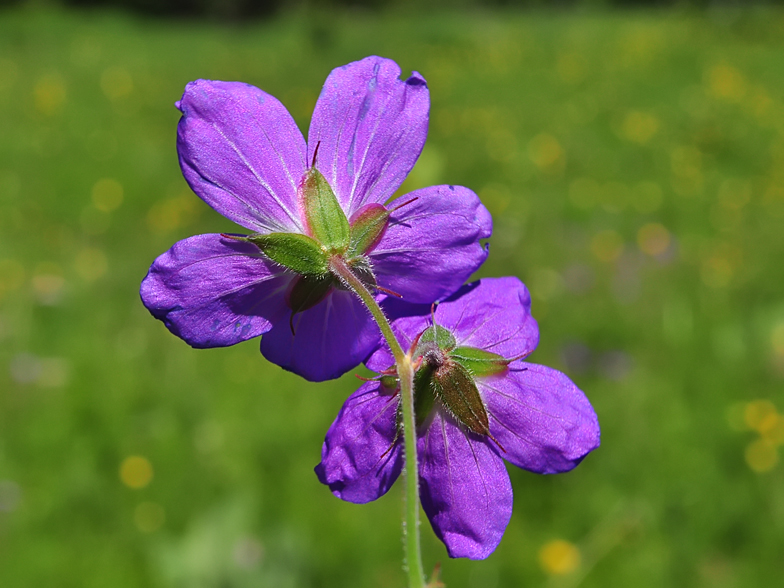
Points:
(213, 291)
(431, 245)
(242, 153)
(331, 338)
(493, 314)
(465, 490)
(370, 127)
(542, 420)
(358, 461)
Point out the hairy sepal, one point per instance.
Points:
(442, 337)
(294, 251)
(368, 226)
(424, 398)
(325, 218)
(478, 361)
(454, 386)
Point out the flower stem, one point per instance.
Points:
(405, 372)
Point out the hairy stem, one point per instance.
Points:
(405, 372)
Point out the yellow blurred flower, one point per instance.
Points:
(559, 557)
(653, 239)
(761, 456)
(607, 245)
(136, 471)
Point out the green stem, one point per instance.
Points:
(405, 372)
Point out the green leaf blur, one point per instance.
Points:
(634, 165)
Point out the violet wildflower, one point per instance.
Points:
(475, 404)
(309, 206)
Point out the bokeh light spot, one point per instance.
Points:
(547, 154)
(639, 127)
(136, 471)
(55, 372)
(149, 517)
(248, 553)
(107, 194)
(48, 284)
(208, 437)
(49, 94)
(772, 429)
(736, 416)
(572, 67)
(116, 82)
(726, 82)
(734, 193)
(91, 264)
(546, 283)
(761, 456)
(776, 338)
(559, 557)
(759, 103)
(757, 411)
(173, 213)
(495, 197)
(686, 163)
(716, 272)
(607, 245)
(653, 239)
(12, 275)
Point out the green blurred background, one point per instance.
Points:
(634, 164)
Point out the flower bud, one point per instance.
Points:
(368, 225)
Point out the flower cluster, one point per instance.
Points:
(320, 210)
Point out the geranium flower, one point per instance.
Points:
(476, 404)
(305, 204)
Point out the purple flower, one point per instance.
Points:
(475, 404)
(242, 153)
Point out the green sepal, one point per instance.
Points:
(454, 386)
(478, 361)
(295, 251)
(423, 394)
(368, 225)
(308, 291)
(442, 337)
(389, 382)
(326, 220)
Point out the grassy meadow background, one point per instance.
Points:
(634, 165)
